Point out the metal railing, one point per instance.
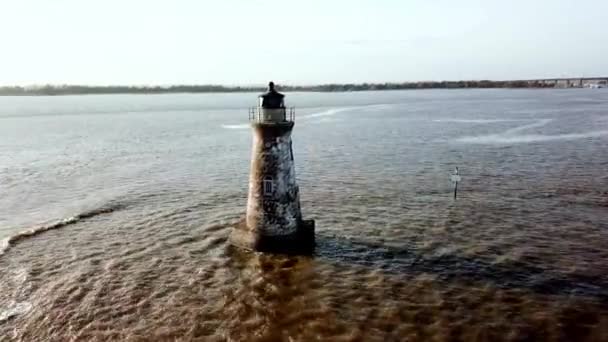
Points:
(260, 114)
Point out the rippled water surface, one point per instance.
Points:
(115, 210)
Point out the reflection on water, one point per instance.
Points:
(123, 235)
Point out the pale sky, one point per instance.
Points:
(298, 42)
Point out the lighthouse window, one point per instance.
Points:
(268, 186)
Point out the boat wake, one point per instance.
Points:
(538, 123)
(329, 112)
(475, 121)
(322, 114)
(238, 126)
(530, 138)
(513, 136)
(12, 240)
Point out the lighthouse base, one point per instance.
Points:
(300, 242)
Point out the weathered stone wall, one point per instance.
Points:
(276, 212)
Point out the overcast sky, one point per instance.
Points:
(298, 42)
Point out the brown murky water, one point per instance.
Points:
(115, 217)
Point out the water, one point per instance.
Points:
(115, 210)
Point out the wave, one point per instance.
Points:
(12, 240)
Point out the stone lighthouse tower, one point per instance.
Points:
(273, 222)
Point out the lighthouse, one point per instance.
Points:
(273, 222)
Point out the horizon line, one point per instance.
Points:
(257, 85)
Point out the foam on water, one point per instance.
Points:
(4, 244)
(16, 306)
(14, 309)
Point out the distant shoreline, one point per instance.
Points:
(58, 90)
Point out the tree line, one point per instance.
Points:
(334, 87)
